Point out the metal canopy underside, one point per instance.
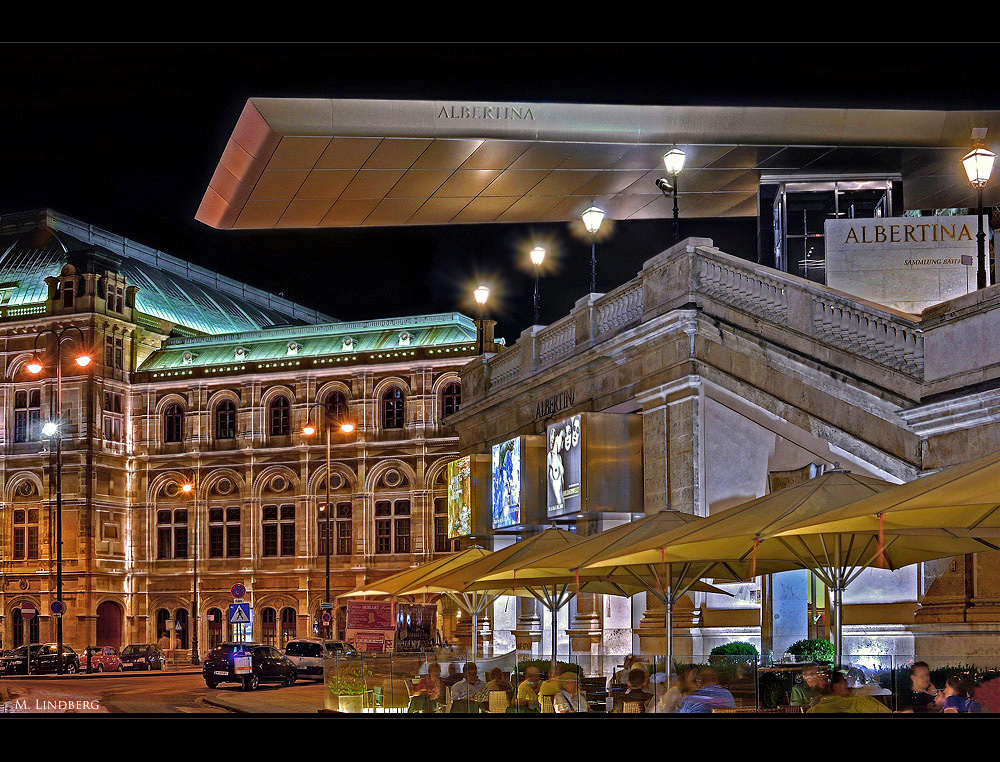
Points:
(307, 163)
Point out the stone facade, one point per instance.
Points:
(738, 372)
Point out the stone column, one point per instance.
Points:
(585, 631)
(529, 626)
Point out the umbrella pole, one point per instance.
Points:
(838, 602)
(475, 623)
(669, 621)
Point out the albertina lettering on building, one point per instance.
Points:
(555, 404)
(917, 233)
(499, 113)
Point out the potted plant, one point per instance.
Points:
(813, 649)
(345, 687)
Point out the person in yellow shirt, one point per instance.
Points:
(838, 699)
(527, 691)
(553, 685)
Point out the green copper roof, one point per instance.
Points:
(36, 245)
(386, 339)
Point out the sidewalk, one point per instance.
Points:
(266, 700)
(185, 670)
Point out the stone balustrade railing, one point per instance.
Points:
(876, 343)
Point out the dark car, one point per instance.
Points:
(249, 664)
(142, 657)
(44, 659)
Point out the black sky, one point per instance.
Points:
(127, 136)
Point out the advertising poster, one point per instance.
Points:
(460, 498)
(416, 627)
(564, 468)
(371, 625)
(507, 484)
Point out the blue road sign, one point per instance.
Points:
(58, 608)
(238, 590)
(239, 613)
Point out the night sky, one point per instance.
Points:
(127, 137)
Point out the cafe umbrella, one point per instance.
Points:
(743, 534)
(666, 581)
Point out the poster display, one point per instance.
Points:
(564, 466)
(371, 625)
(507, 483)
(460, 498)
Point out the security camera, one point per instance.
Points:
(663, 185)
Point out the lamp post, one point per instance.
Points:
(481, 293)
(592, 219)
(537, 255)
(308, 430)
(673, 160)
(53, 428)
(189, 488)
(978, 166)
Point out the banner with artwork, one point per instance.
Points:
(371, 625)
(460, 498)
(507, 483)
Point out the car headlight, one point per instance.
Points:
(141, 660)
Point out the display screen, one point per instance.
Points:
(507, 484)
(460, 497)
(563, 466)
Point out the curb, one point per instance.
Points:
(106, 675)
(220, 705)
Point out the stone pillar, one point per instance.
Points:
(529, 626)
(585, 631)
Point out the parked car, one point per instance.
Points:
(142, 656)
(44, 659)
(307, 654)
(249, 664)
(102, 659)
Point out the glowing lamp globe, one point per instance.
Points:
(482, 293)
(537, 255)
(592, 219)
(308, 429)
(347, 428)
(50, 428)
(34, 366)
(673, 160)
(83, 361)
(978, 166)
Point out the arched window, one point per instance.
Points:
(173, 423)
(279, 416)
(269, 626)
(181, 627)
(19, 625)
(162, 617)
(393, 408)
(451, 399)
(336, 408)
(27, 413)
(225, 420)
(214, 628)
(171, 533)
(288, 625)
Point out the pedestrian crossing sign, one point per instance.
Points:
(239, 613)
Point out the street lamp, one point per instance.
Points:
(537, 255)
(481, 293)
(978, 166)
(308, 430)
(53, 428)
(592, 219)
(188, 488)
(673, 160)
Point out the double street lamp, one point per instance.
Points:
(308, 430)
(53, 430)
(978, 166)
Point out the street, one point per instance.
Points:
(152, 694)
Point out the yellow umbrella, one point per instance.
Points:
(562, 573)
(741, 534)
(466, 584)
(393, 584)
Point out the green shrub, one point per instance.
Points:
(544, 665)
(739, 648)
(348, 679)
(814, 649)
(774, 687)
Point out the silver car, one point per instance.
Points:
(307, 654)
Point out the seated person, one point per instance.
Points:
(681, 686)
(620, 677)
(570, 698)
(919, 697)
(498, 682)
(637, 692)
(958, 696)
(810, 690)
(553, 685)
(469, 695)
(454, 675)
(708, 696)
(527, 692)
(838, 699)
(428, 691)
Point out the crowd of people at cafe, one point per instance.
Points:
(636, 688)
